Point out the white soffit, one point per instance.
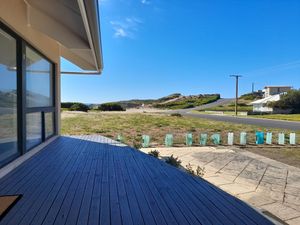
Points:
(74, 24)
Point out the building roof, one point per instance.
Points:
(74, 25)
(278, 86)
(272, 98)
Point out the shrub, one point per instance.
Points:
(136, 144)
(200, 171)
(291, 100)
(154, 153)
(176, 114)
(174, 161)
(189, 169)
(110, 107)
(79, 107)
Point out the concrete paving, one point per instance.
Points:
(266, 184)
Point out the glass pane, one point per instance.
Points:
(34, 129)
(49, 128)
(38, 80)
(8, 97)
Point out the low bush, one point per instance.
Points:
(110, 107)
(189, 169)
(176, 114)
(199, 171)
(174, 161)
(79, 107)
(154, 153)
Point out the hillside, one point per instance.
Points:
(243, 105)
(173, 101)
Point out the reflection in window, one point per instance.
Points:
(49, 122)
(34, 129)
(38, 80)
(8, 97)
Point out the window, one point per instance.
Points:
(38, 80)
(49, 124)
(27, 106)
(34, 129)
(39, 98)
(8, 97)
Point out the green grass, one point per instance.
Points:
(133, 126)
(289, 117)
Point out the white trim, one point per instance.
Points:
(88, 32)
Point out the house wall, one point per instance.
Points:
(17, 21)
(261, 108)
(276, 90)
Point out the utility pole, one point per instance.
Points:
(236, 92)
(252, 88)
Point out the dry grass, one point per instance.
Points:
(133, 126)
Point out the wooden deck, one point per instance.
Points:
(88, 180)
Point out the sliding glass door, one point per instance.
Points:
(27, 96)
(8, 97)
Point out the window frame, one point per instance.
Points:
(22, 109)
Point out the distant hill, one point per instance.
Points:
(9, 99)
(173, 101)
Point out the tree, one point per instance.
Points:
(79, 107)
(110, 107)
(291, 100)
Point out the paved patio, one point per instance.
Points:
(262, 182)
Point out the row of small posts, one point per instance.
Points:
(260, 137)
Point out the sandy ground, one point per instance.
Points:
(68, 114)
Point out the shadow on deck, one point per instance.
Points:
(88, 180)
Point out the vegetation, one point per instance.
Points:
(290, 156)
(252, 96)
(188, 102)
(176, 114)
(231, 107)
(79, 107)
(133, 126)
(174, 161)
(110, 107)
(289, 101)
(173, 101)
(288, 117)
(154, 153)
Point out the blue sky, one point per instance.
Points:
(153, 48)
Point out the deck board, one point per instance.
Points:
(92, 180)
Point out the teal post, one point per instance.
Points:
(120, 138)
(146, 141)
(230, 138)
(269, 138)
(260, 138)
(243, 138)
(203, 139)
(216, 139)
(292, 139)
(281, 139)
(169, 140)
(189, 139)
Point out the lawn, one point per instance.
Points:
(289, 117)
(133, 126)
(290, 156)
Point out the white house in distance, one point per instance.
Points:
(261, 105)
(271, 94)
(275, 90)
